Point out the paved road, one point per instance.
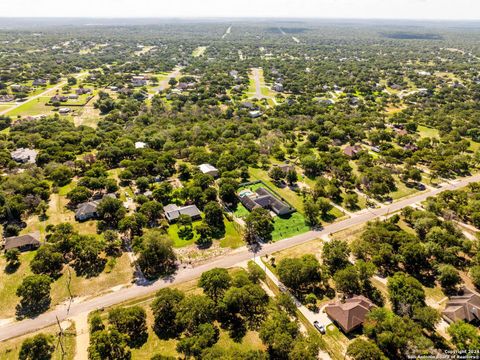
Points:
(258, 88)
(44, 93)
(185, 274)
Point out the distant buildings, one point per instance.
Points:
(209, 169)
(172, 212)
(465, 307)
(254, 114)
(277, 87)
(140, 145)
(39, 82)
(265, 199)
(352, 151)
(64, 111)
(86, 211)
(23, 242)
(24, 155)
(351, 313)
(6, 98)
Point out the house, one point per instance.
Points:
(286, 167)
(248, 105)
(81, 91)
(173, 212)
(265, 199)
(352, 151)
(86, 211)
(209, 169)
(39, 82)
(6, 98)
(254, 114)
(234, 73)
(400, 131)
(58, 98)
(20, 88)
(139, 82)
(73, 96)
(277, 87)
(465, 307)
(24, 155)
(64, 110)
(140, 145)
(23, 242)
(351, 313)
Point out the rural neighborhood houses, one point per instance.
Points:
(265, 199)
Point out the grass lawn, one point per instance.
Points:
(402, 190)
(199, 51)
(177, 242)
(434, 294)
(120, 273)
(10, 349)
(428, 132)
(233, 237)
(285, 227)
(34, 107)
(313, 247)
(349, 234)
(10, 282)
(336, 342)
(289, 195)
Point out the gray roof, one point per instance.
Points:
(267, 200)
(86, 208)
(22, 240)
(173, 212)
(465, 307)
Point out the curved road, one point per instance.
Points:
(185, 274)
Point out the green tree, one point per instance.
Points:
(405, 293)
(299, 274)
(249, 301)
(155, 255)
(360, 349)
(475, 275)
(205, 336)
(164, 309)
(259, 225)
(194, 310)
(47, 261)
(464, 336)
(448, 277)
(276, 174)
(335, 255)
(214, 217)
(13, 258)
(109, 345)
(215, 282)
(131, 321)
(39, 347)
(34, 292)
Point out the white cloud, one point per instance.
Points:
(405, 9)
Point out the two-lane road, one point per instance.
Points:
(185, 274)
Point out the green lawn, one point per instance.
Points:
(336, 342)
(402, 190)
(177, 242)
(34, 107)
(428, 132)
(10, 282)
(289, 195)
(287, 227)
(199, 51)
(10, 349)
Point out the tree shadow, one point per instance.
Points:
(31, 309)
(11, 268)
(89, 269)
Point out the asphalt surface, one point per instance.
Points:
(15, 329)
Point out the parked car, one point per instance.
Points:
(319, 327)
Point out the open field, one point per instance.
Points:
(428, 132)
(199, 51)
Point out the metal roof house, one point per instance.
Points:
(351, 313)
(208, 169)
(86, 211)
(465, 307)
(24, 155)
(173, 212)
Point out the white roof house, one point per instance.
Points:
(208, 169)
(23, 155)
(140, 145)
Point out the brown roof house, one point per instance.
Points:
(465, 307)
(351, 313)
(352, 151)
(23, 242)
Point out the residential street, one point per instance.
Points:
(11, 330)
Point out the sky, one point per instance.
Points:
(369, 9)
